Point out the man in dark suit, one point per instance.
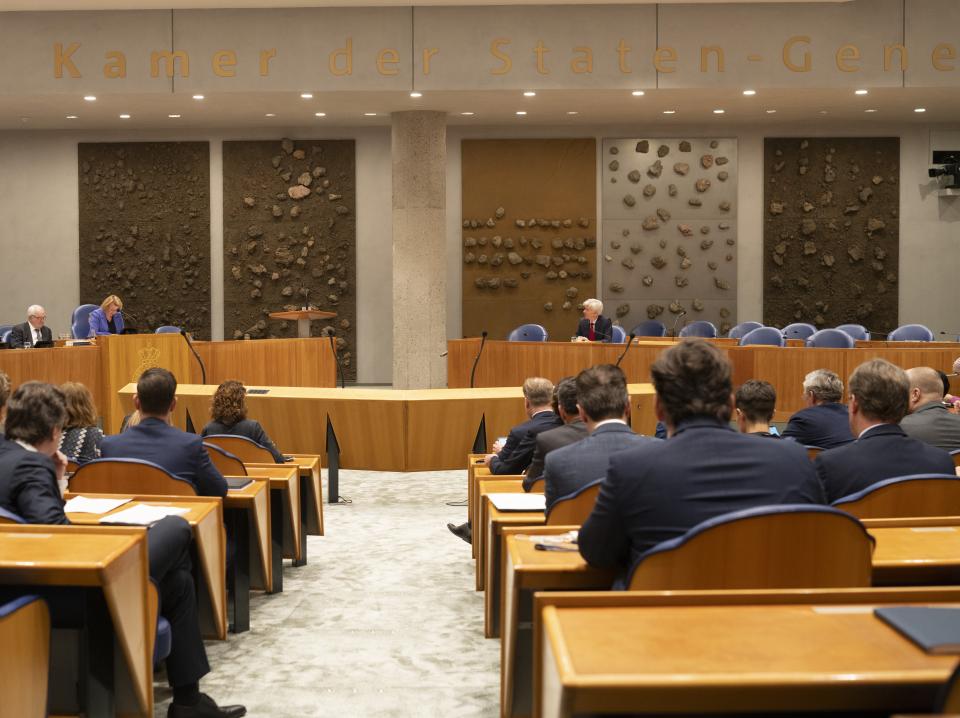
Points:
(823, 422)
(929, 419)
(33, 330)
(756, 401)
(879, 397)
(594, 327)
(155, 440)
(31, 470)
(604, 406)
(572, 431)
(658, 491)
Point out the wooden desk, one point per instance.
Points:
(731, 659)
(488, 485)
(286, 516)
(915, 555)
(112, 560)
(248, 509)
(290, 362)
(302, 317)
(56, 365)
(25, 662)
(311, 491)
(205, 517)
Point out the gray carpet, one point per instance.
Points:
(383, 621)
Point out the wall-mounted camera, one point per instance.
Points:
(949, 166)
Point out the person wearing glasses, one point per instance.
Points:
(33, 331)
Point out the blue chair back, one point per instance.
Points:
(619, 336)
(650, 328)
(700, 328)
(528, 333)
(167, 329)
(8, 517)
(80, 321)
(911, 333)
(799, 330)
(5, 336)
(743, 328)
(4, 328)
(792, 546)
(770, 336)
(830, 339)
(905, 496)
(858, 332)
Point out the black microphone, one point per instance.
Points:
(956, 334)
(333, 347)
(203, 369)
(879, 334)
(131, 315)
(629, 343)
(473, 370)
(683, 313)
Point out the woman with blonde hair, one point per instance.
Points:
(229, 413)
(81, 436)
(107, 319)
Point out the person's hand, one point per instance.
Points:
(956, 365)
(487, 459)
(580, 339)
(60, 466)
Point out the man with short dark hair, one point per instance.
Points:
(604, 407)
(658, 491)
(572, 431)
(879, 397)
(756, 401)
(155, 440)
(930, 420)
(31, 481)
(823, 421)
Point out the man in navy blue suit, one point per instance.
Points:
(594, 327)
(660, 490)
(155, 440)
(879, 399)
(823, 421)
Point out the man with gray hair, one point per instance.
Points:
(929, 420)
(594, 327)
(823, 422)
(32, 331)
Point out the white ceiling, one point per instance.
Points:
(50, 5)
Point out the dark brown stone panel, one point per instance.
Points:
(145, 231)
(289, 238)
(831, 231)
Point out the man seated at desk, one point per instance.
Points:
(658, 491)
(31, 478)
(823, 422)
(572, 431)
(33, 331)
(930, 419)
(594, 327)
(756, 402)
(155, 440)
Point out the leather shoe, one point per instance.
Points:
(205, 708)
(464, 531)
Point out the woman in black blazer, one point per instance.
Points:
(229, 413)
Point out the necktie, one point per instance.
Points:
(592, 336)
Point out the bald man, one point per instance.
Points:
(929, 419)
(33, 330)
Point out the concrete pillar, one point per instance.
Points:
(419, 153)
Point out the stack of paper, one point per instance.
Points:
(84, 505)
(143, 515)
(518, 502)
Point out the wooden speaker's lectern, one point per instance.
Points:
(303, 318)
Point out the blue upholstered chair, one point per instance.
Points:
(858, 332)
(650, 328)
(619, 336)
(791, 546)
(8, 517)
(905, 496)
(4, 328)
(167, 329)
(799, 330)
(743, 328)
(770, 336)
(528, 333)
(80, 321)
(128, 476)
(163, 638)
(574, 508)
(911, 333)
(830, 339)
(5, 336)
(700, 328)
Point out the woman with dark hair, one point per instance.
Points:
(229, 414)
(81, 436)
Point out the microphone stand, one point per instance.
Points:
(203, 369)
(629, 344)
(679, 317)
(473, 370)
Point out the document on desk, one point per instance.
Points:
(518, 502)
(143, 515)
(86, 505)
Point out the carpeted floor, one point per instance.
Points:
(383, 621)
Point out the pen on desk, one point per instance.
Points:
(553, 547)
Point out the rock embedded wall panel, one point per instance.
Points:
(289, 238)
(831, 231)
(669, 230)
(145, 231)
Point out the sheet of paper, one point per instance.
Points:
(85, 505)
(143, 515)
(518, 502)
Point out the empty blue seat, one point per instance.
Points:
(8, 517)
(80, 321)
(650, 328)
(528, 333)
(5, 336)
(770, 336)
(167, 329)
(619, 336)
(858, 332)
(911, 333)
(743, 328)
(830, 339)
(799, 330)
(699, 328)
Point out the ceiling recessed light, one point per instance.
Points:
(749, 93)
(198, 97)
(521, 112)
(638, 93)
(870, 110)
(467, 114)
(572, 112)
(919, 109)
(124, 116)
(416, 94)
(770, 112)
(529, 93)
(269, 114)
(718, 112)
(306, 95)
(90, 98)
(71, 117)
(669, 112)
(861, 92)
(174, 117)
(369, 114)
(320, 114)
